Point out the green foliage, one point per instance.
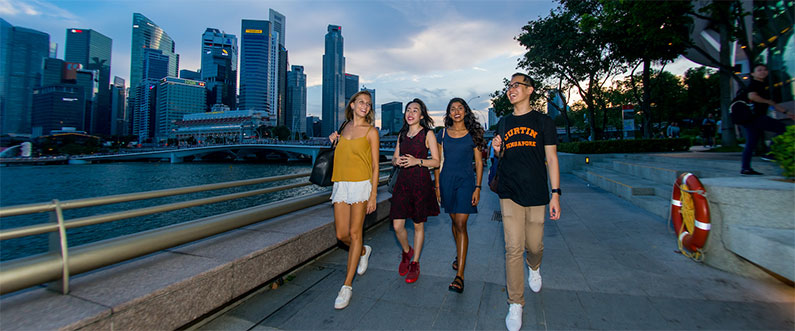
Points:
(626, 146)
(784, 151)
(281, 132)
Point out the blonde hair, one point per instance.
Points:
(370, 118)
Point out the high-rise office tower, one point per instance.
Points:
(93, 50)
(56, 107)
(177, 97)
(189, 74)
(273, 78)
(296, 100)
(89, 81)
(493, 119)
(372, 99)
(147, 35)
(389, 112)
(219, 67)
(21, 53)
(278, 25)
(119, 118)
(154, 68)
(333, 81)
(257, 58)
(351, 85)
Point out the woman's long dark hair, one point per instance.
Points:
(425, 122)
(470, 122)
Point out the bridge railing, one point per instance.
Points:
(62, 261)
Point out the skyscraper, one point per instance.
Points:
(147, 35)
(119, 118)
(351, 85)
(296, 100)
(93, 50)
(278, 25)
(256, 59)
(333, 81)
(219, 67)
(389, 112)
(177, 97)
(21, 54)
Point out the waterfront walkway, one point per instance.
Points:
(607, 265)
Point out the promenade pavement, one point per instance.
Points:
(607, 265)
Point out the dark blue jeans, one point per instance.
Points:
(755, 130)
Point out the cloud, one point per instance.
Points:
(35, 8)
(478, 68)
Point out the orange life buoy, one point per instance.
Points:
(690, 212)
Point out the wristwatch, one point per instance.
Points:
(557, 190)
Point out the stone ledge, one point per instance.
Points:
(171, 288)
(742, 210)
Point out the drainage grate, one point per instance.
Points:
(497, 216)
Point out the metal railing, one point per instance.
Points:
(63, 261)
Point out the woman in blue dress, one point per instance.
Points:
(458, 184)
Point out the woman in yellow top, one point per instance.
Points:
(355, 180)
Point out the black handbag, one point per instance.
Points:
(393, 178)
(494, 180)
(324, 164)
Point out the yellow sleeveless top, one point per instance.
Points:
(352, 160)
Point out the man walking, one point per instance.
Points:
(524, 143)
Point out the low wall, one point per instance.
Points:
(752, 220)
(173, 287)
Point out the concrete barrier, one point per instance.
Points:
(171, 288)
(753, 225)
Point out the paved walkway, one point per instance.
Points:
(607, 265)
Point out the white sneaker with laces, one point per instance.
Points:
(534, 279)
(364, 260)
(514, 319)
(344, 297)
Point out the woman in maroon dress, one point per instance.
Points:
(414, 195)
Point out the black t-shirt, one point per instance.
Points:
(522, 168)
(763, 90)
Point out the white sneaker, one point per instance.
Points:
(344, 297)
(514, 319)
(364, 260)
(534, 280)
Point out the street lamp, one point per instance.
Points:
(473, 98)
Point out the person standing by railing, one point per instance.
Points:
(355, 180)
(413, 195)
(457, 185)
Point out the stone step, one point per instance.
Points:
(723, 166)
(770, 248)
(617, 183)
(654, 204)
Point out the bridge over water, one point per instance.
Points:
(236, 151)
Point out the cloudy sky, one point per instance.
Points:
(434, 50)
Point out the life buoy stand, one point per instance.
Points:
(690, 214)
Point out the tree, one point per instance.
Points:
(702, 91)
(567, 45)
(281, 132)
(645, 32)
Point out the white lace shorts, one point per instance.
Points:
(351, 192)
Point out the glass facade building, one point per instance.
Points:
(120, 119)
(177, 97)
(147, 35)
(21, 53)
(219, 67)
(57, 106)
(93, 50)
(256, 60)
(351, 86)
(333, 110)
(278, 24)
(296, 100)
(392, 117)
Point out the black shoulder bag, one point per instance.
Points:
(493, 178)
(324, 164)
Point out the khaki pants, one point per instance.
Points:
(524, 231)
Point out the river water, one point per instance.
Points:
(32, 184)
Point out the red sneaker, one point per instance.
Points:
(404, 261)
(414, 272)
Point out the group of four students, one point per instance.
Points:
(526, 145)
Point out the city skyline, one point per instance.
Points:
(432, 50)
